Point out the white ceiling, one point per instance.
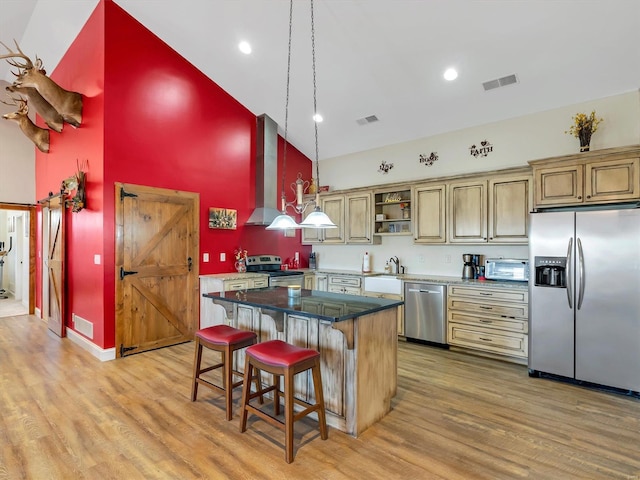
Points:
(375, 57)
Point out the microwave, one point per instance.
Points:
(513, 269)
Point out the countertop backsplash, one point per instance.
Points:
(444, 260)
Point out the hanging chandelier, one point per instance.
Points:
(317, 218)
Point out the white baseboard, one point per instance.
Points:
(37, 312)
(101, 354)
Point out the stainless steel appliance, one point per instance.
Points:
(468, 269)
(513, 269)
(271, 264)
(425, 315)
(584, 301)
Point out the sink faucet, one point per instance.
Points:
(395, 269)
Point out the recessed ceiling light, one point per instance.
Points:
(450, 74)
(317, 118)
(244, 47)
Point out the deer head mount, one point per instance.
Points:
(49, 114)
(67, 104)
(39, 136)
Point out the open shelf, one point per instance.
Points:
(393, 213)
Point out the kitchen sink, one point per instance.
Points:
(383, 284)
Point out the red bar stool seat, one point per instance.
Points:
(282, 359)
(226, 340)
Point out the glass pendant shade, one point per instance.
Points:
(283, 222)
(318, 219)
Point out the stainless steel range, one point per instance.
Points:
(270, 264)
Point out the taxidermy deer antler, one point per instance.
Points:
(66, 103)
(39, 136)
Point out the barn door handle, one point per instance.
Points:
(124, 273)
(190, 263)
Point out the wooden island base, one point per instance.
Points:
(358, 355)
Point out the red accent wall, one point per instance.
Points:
(151, 118)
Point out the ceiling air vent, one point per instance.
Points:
(366, 120)
(500, 82)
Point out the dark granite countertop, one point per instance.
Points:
(335, 307)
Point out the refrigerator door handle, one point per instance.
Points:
(580, 272)
(569, 273)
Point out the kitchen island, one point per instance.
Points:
(356, 337)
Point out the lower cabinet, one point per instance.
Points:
(490, 320)
(310, 281)
(349, 284)
(391, 296)
(212, 314)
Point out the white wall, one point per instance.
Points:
(514, 141)
(17, 160)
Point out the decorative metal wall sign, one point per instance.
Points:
(483, 150)
(385, 167)
(224, 218)
(430, 160)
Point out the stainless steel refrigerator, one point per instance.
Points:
(584, 296)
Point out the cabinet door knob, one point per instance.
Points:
(588, 196)
(579, 197)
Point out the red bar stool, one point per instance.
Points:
(281, 358)
(226, 340)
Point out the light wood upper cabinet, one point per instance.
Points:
(333, 206)
(613, 180)
(599, 177)
(429, 214)
(359, 216)
(509, 207)
(490, 210)
(352, 214)
(468, 212)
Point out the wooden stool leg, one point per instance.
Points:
(227, 358)
(288, 413)
(246, 391)
(276, 394)
(317, 388)
(196, 370)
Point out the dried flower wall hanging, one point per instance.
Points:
(385, 167)
(430, 160)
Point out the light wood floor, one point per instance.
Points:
(66, 415)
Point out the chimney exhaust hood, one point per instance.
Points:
(266, 172)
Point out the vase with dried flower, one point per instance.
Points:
(583, 127)
(241, 260)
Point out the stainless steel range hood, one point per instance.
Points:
(266, 172)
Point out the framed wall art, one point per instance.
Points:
(224, 218)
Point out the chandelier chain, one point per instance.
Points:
(315, 103)
(286, 108)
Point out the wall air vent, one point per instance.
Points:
(500, 82)
(367, 120)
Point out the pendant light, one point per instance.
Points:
(317, 218)
(284, 221)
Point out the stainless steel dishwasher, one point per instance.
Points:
(425, 314)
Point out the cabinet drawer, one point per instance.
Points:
(487, 308)
(233, 285)
(491, 322)
(506, 343)
(347, 290)
(506, 295)
(260, 282)
(345, 281)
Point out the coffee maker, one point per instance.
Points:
(469, 268)
(473, 266)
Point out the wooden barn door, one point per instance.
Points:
(157, 241)
(53, 233)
